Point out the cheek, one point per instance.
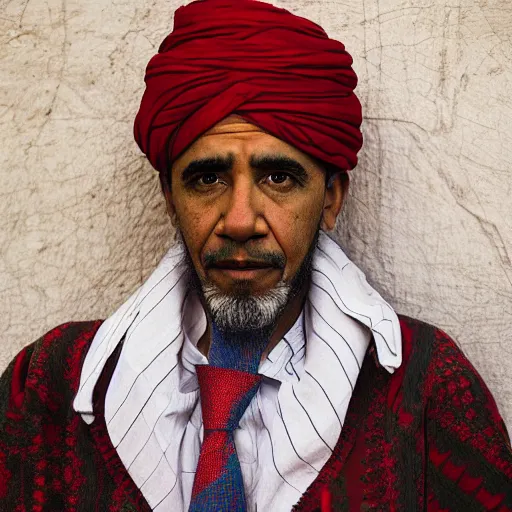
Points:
(195, 228)
(295, 233)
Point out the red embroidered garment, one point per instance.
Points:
(429, 437)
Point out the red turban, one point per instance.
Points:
(278, 71)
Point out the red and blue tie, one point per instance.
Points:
(225, 395)
(226, 386)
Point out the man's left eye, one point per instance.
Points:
(279, 177)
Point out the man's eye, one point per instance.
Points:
(205, 179)
(279, 177)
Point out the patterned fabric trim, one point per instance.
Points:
(125, 485)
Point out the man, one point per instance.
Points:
(255, 369)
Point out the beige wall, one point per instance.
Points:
(430, 217)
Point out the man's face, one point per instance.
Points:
(240, 195)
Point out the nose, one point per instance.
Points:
(242, 219)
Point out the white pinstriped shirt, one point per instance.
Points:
(286, 435)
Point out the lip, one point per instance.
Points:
(241, 264)
(248, 273)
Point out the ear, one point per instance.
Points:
(333, 200)
(166, 190)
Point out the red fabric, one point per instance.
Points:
(19, 375)
(215, 452)
(225, 395)
(278, 71)
(326, 500)
(222, 391)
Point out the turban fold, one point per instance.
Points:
(278, 71)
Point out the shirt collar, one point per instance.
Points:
(281, 364)
(145, 321)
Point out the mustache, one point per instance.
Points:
(229, 252)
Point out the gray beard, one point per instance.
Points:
(242, 311)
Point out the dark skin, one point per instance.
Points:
(269, 209)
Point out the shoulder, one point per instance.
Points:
(419, 336)
(64, 344)
(434, 368)
(421, 344)
(61, 351)
(450, 385)
(51, 363)
(428, 348)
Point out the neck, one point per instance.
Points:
(286, 320)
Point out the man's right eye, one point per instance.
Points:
(203, 179)
(206, 177)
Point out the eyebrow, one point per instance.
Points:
(265, 162)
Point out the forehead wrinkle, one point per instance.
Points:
(233, 124)
(233, 128)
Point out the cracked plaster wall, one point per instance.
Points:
(430, 214)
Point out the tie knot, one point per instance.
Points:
(225, 395)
